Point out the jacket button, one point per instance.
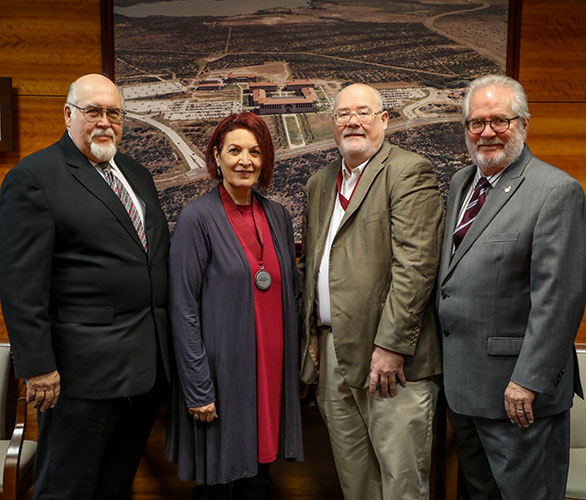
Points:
(446, 333)
(444, 295)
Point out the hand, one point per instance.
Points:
(303, 390)
(206, 413)
(43, 390)
(518, 404)
(385, 368)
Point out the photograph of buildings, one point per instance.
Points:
(183, 65)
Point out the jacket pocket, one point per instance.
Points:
(94, 315)
(504, 346)
(501, 237)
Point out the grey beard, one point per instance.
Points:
(508, 155)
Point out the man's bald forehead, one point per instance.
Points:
(365, 88)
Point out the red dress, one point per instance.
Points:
(268, 308)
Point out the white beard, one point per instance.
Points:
(508, 155)
(103, 152)
(349, 148)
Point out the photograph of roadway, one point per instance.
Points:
(183, 65)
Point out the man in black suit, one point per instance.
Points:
(84, 296)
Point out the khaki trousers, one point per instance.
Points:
(381, 446)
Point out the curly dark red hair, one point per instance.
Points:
(258, 127)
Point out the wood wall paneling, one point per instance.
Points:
(39, 123)
(557, 135)
(553, 50)
(46, 44)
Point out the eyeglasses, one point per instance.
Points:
(95, 113)
(343, 116)
(498, 125)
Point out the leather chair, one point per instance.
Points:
(17, 455)
(576, 488)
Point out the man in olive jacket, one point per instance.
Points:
(371, 243)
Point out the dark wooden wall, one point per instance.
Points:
(44, 45)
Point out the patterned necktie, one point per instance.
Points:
(474, 206)
(116, 184)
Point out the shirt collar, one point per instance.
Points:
(492, 179)
(355, 172)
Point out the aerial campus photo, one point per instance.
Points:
(183, 65)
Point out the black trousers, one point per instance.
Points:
(90, 449)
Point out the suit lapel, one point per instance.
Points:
(142, 192)
(82, 169)
(272, 223)
(326, 200)
(374, 166)
(499, 196)
(458, 194)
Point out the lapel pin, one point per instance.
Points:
(507, 189)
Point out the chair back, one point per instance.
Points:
(5, 360)
(578, 412)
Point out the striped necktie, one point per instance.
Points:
(474, 206)
(116, 184)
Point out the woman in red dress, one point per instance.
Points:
(233, 294)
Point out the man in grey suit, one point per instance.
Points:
(511, 296)
(371, 245)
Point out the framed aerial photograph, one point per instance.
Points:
(5, 114)
(183, 65)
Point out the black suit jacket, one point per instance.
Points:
(79, 293)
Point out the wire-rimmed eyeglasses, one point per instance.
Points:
(95, 113)
(343, 116)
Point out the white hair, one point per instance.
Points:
(72, 97)
(519, 105)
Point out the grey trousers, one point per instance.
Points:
(524, 462)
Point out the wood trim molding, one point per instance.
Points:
(514, 38)
(107, 18)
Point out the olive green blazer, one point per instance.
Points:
(383, 266)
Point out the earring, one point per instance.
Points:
(219, 173)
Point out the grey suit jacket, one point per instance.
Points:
(383, 264)
(511, 300)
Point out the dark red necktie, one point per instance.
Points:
(474, 206)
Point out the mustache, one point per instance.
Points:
(489, 142)
(99, 131)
